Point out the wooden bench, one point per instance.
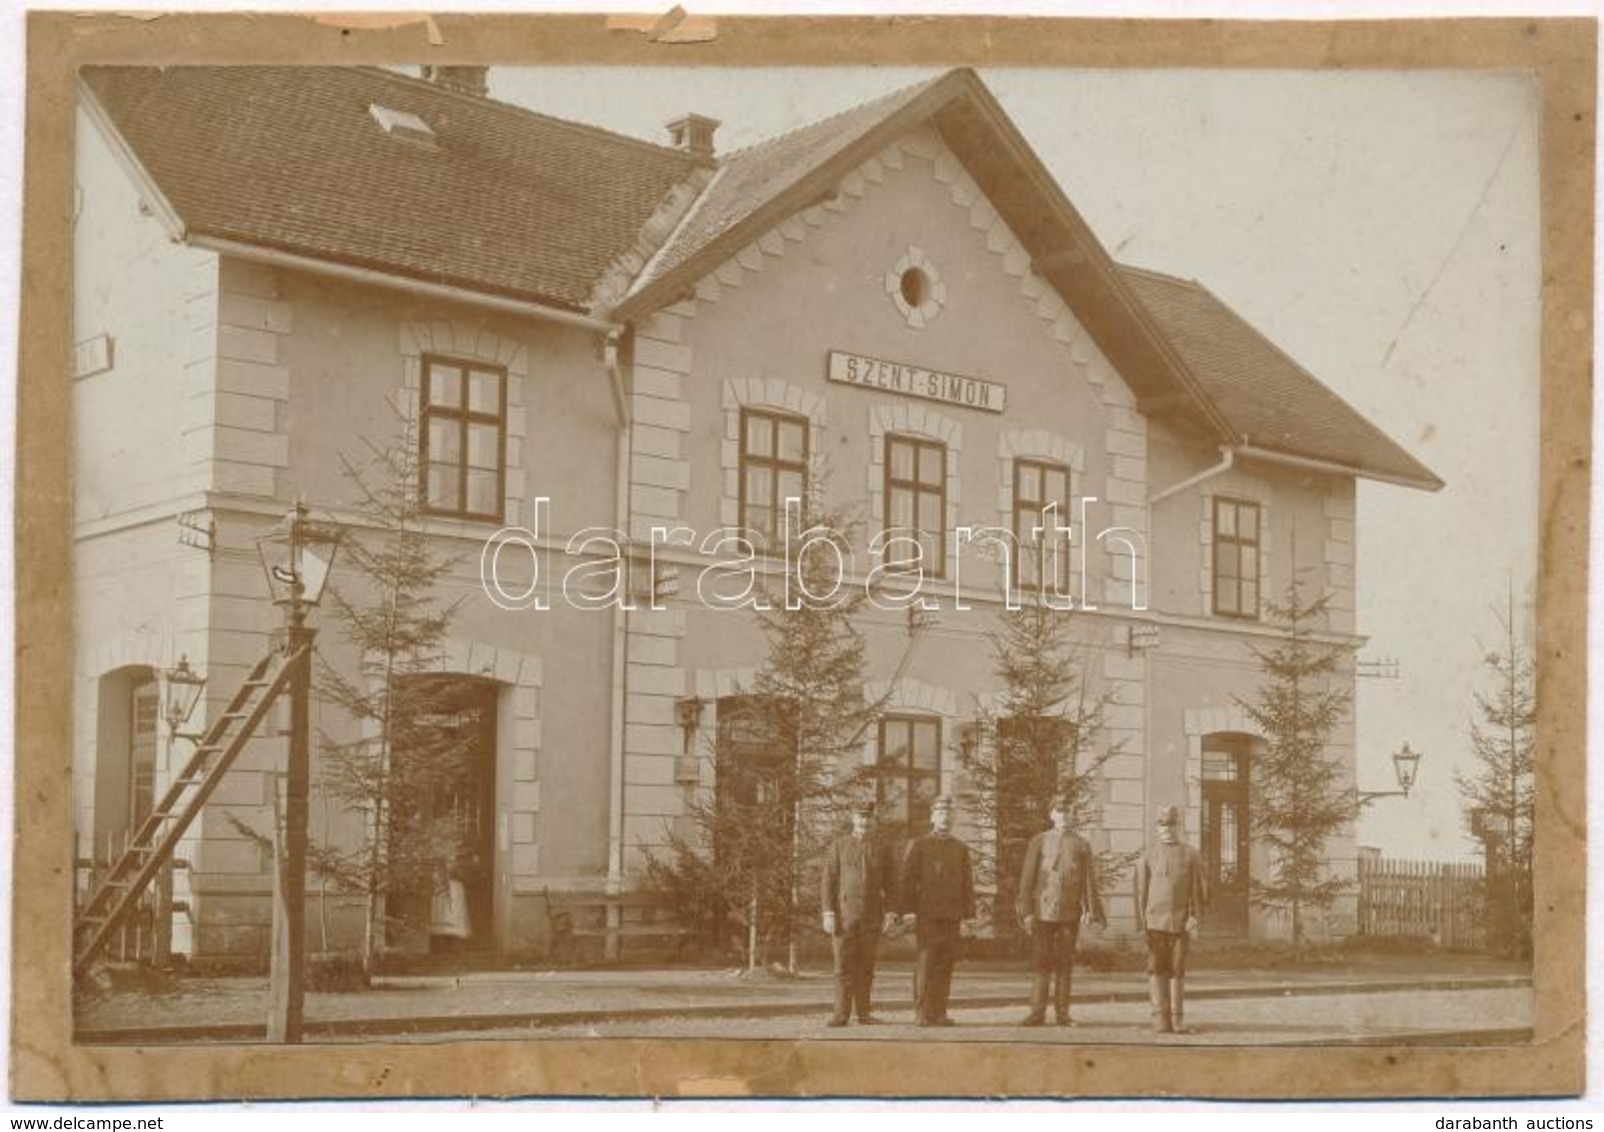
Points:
(612, 920)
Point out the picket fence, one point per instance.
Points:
(1431, 900)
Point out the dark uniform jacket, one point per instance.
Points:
(937, 880)
(859, 881)
(1170, 886)
(1058, 881)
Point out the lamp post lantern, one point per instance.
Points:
(1405, 765)
(184, 686)
(296, 558)
(1406, 762)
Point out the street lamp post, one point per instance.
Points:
(296, 558)
(1405, 764)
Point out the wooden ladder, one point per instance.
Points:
(152, 845)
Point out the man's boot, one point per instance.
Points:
(1178, 1003)
(1061, 998)
(865, 1015)
(1038, 1000)
(1159, 993)
(843, 1003)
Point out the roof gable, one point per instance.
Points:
(1181, 349)
(800, 168)
(751, 180)
(500, 200)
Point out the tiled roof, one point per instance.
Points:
(510, 202)
(1269, 399)
(752, 177)
(505, 201)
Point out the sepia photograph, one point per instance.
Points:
(931, 556)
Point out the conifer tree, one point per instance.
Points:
(1038, 739)
(1302, 796)
(788, 757)
(1500, 797)
(397, 760)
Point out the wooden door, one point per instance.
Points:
(450, 832)
(1225, 834)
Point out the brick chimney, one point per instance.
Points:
(467, 80)
(694, 134)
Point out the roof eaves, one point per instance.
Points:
(387, 275)
(1428, 479)
(125, 156)
(176, 177)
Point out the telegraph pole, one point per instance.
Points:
(288, 969)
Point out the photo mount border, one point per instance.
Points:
(46, 1065)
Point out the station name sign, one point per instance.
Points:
(916, 381)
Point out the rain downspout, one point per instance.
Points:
(1227, 459)
(620, 643)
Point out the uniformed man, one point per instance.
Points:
(938, 890)
(1171, 894)
(1057, 889)
(859, 885)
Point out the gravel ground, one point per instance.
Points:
(1447, 1016)
(659, 1001)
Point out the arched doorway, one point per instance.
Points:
(126, 747)
(1227, 800)
(755, 772)
(442, 828)
(754, 816)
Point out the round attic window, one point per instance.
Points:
(916, 288)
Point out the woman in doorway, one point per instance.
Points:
(449, 926)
